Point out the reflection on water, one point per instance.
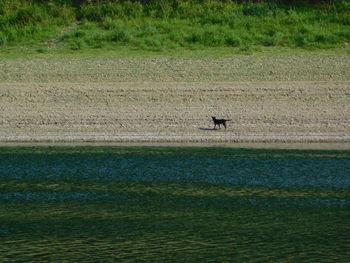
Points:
(234, 171)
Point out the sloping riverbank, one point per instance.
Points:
(267, 98)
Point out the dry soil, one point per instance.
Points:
(267, 98)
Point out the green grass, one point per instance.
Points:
(171, 26)
(173, 204)
(15, 52)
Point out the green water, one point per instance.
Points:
(173, 204)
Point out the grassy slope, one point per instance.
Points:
(90, 215)
(162, 27)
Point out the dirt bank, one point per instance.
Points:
(173, 69)
(260, 111)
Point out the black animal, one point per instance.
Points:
(219, 122)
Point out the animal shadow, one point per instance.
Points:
(207, 129)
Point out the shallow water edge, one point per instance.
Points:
(248, 145)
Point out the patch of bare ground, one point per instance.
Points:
(174, 69)
(161, 111)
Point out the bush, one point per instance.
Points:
(3, 39)
(259, 9)
(302, 41)
(233, 41)
(77, 44)
(274, 40)
(95, 40)
(120, 36)
(27, 16)
(98, 12)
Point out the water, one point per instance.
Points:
(177, 168)
(278, 169)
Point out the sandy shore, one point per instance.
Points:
(161, 111)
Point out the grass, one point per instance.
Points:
(150, 204)
(15, 52)
(172, 26)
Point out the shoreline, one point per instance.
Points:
(248, 145)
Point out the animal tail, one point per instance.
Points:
(228, 120)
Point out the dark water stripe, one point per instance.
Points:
(266, 172)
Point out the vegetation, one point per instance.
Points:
(31, 21)
(164, 25)
(128, 204)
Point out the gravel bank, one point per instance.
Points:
(278, 98)
(172, 69)
(276, 111)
